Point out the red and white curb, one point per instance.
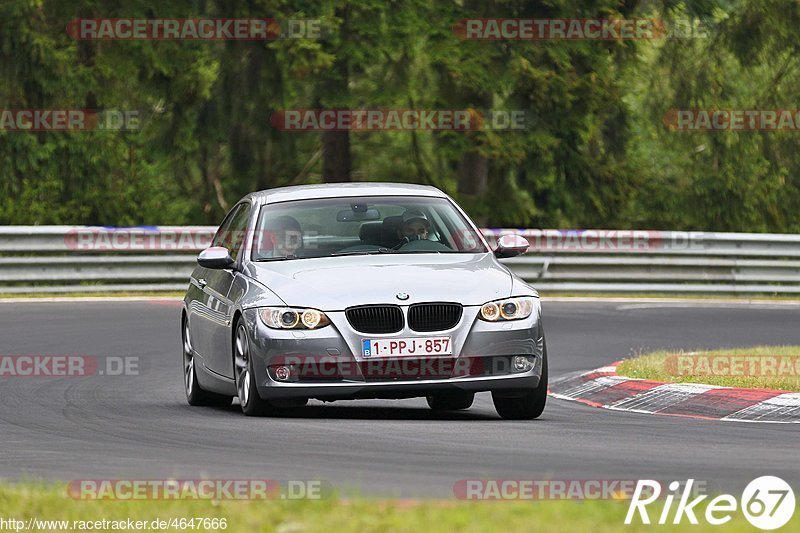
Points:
(604, 388)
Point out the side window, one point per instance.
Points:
(224, 228)
(233, 229)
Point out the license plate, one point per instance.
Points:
(409, 347)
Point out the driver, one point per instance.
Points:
(281, 237)
(415, 226)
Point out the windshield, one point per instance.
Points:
(362, 225)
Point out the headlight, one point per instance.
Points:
(509, 309)
(293, 318)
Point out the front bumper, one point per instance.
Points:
(327, 364)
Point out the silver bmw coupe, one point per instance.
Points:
(360, 290)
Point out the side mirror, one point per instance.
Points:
(511, 246)
(216, 257)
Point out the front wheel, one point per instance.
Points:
(252, 404)
(194, 394)
(528, 406)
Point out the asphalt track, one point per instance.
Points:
(140, 426)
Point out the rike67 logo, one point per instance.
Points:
(767, 502)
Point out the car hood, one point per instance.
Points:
(335, 283)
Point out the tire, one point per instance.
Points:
(195, 395)
(528, 406)
(451, 401)
(252, 404)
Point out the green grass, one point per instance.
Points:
(663, 366)
(50, 502)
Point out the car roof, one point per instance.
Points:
(337, 190)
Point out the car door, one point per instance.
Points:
(200, 317)
(212, 324)
(218, 290)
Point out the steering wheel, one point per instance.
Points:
(407, 239)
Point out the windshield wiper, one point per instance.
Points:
(437, 252)
(280, 258)
(366, 252)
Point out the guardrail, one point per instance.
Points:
(60, 259)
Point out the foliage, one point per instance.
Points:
(595, 153)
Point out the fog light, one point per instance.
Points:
(522, 363)
(283, 373)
